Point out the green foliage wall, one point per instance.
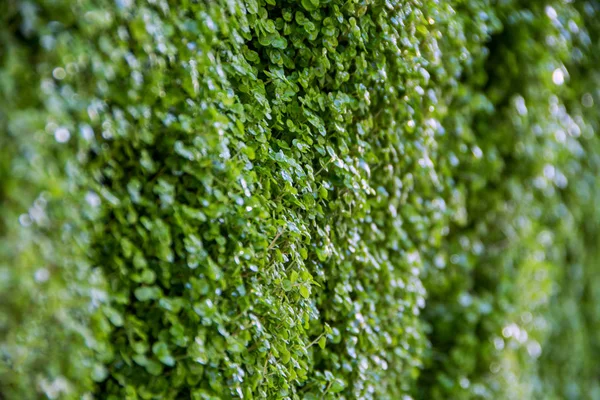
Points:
(299, 199)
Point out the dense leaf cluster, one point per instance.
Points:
(299, 199)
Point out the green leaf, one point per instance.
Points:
(252, 6)
(322, 342)
(294, 277)
(287, 285)
(337, 386)
(146, 293)
(304, 291)
(161, 350)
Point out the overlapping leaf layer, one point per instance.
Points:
(299, 199)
